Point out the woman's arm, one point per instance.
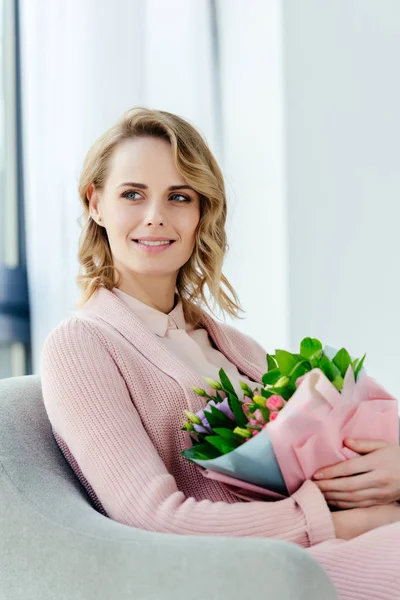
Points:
(89, 406)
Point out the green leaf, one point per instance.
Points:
(265, 412)
(301, 369)
(309, 346)
(271, 362)
(286, 392)
(204, 451)
(271, 377)
(217, 418)
(310, 360)
(286, 361)
(329, 368)
(226, 383)
(342, 360)
(338, 382)
(237, 409)
(266, 393)
(315, 359)
(299, 357)
(221, 444)
(359, 367)
(301, 365)
(229, 436)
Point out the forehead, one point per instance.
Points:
(144, 160)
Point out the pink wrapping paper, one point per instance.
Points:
(309, 431)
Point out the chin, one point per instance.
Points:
(152, 270)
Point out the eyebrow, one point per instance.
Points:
(142, 186)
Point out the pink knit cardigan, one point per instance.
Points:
(115, 398)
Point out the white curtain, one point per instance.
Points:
(217, 64)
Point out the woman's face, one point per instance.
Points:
(145, 200)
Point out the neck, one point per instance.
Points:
(158, 293)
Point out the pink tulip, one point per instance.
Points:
(275, 402)
(258, 415)
(246, 408)
(273, 416)
(255, 432)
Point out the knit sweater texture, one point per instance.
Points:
(115, 397)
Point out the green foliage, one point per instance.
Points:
(203, 451)
(217, 418)
(226, 383)
(284, 370)
(236, 407)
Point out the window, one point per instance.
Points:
(14, 304)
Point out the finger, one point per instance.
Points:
(352, 466)
(373, 494)
(365, 446)
(346, 505)
(349, 484)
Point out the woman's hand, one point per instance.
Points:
(356, 521)
(365, 480)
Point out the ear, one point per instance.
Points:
(94, 200)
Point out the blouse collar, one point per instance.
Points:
(157, 321)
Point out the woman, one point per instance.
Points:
(118, 374)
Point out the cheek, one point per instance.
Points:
(121, 221)
(189, 225)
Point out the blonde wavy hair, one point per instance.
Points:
(197, 165)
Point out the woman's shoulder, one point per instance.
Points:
(77, 329)
(86, 321)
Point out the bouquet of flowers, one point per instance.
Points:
(279, 434)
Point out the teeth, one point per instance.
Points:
(148, 243)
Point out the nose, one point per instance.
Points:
(155, 215)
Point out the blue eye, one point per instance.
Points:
(127, 194)
(185, 198)
(130, 195)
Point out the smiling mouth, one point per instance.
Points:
(157, 243)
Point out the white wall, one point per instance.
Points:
(83, 66)
(343, 177)
(67, 77)
(254, 164)
(306, 133)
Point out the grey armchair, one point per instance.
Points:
(54, 545)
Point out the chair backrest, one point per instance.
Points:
(29, 454)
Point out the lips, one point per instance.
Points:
(152, 238)
(154, 242)
(153, 247)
